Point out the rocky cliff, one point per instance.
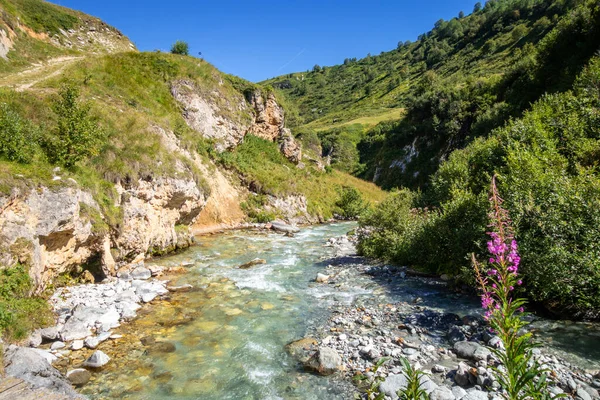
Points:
(56, 230)
(227, 120)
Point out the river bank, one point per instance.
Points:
(224, 329)
(452, 347)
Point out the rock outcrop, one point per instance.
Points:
(50, 230)
(269, 124)
(56, 230)
(211, 115)
(30, 366)
(151, 212)
(227, 122)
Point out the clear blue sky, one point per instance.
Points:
(261, 39)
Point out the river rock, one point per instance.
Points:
(96, 360)
(458, 392)
(129, 310)
(78, 325)
(77, 344)
(322, 278)
(29, 365)
(283, 227)
(392, 384)
(475, 394)
(442, 393)
(582, 394)
(302, 349)
(141, 273)
(161, 347)
(325, 361)
(58, 345)
(35, 339)
(252, 263)
(50, 333)
(79, 376)
(462, 375)
(471, 350)
(91, 342)
(178, 289)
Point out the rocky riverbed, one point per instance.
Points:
(237, 299)
(452, 350)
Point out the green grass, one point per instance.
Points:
(42, 16)
(20, 313)
(260, 161)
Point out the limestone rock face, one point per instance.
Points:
(227, 122)
(151, 210)
(269, 116)
(269, 124)
(50, 230)
(212, 116)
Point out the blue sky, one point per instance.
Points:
(261, 39)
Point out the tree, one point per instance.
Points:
(477, 7)
(180, 47)
(316, 68)
(76, 135)
(461, 15)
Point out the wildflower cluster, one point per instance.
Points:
(521, 377)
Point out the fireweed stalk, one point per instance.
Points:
(519, 374)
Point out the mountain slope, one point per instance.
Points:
(458, 81)
(33, 31)
(108, 155)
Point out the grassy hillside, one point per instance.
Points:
(35, 31)
(458, 81)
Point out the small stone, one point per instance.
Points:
(57, 345)
(97, 360)
(148, 297)
(442, 393)
(322, 278)
(142, 273)
(582, 394)
(325, 361)
(49, 333)
(77, 344)
(462, 375)
(438, 368)
(91, 342)
(35, 340)
(79, 376)
(252, 263)
(161, 347)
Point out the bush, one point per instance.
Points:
(351, 203)
(76, 135)
(181, 48)
(547, 163)
(20, 313)
(18, 137)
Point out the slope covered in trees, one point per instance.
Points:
(458, 81)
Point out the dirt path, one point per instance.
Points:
(27, 78)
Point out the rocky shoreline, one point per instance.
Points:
(86, 316)
(452, 350)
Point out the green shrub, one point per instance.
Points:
(76, 135)
(19, 312)
(18, 137)
(181, 48)
(351, 203)
(547, 163)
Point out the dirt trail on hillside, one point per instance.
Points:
(27, 78)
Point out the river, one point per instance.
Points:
(230, 332)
